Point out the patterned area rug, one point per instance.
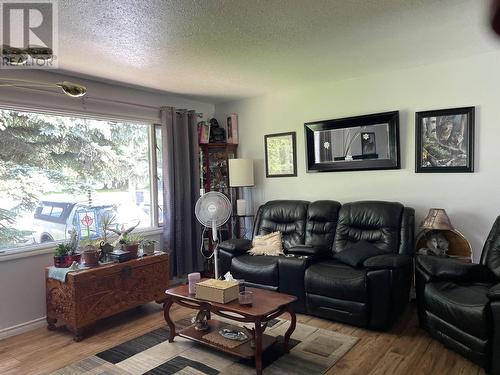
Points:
(313, 351)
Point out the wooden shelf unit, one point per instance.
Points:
(214, 176)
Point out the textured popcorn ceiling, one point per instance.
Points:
(222, 50)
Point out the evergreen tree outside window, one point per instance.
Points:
(53, 166)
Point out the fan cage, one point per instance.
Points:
(213, 206)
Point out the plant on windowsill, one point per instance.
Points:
(148, 246)
(130, 243)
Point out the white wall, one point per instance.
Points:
(22, 280)
(471, 200)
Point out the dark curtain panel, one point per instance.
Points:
(181, 188)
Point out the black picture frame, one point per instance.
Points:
(359, 162)
(446, 131)
(291, 157)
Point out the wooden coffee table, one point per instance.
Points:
(266, 305)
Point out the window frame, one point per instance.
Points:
(154, 229)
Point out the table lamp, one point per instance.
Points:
(240, 176)
(437, 219)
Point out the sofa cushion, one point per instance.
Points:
(355, 254)
(287, 217)
(464, 306)
(336, 280)
(268, 244)
(373, 221)
(260, 269)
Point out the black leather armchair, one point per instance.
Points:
(459, 303)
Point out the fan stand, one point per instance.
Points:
(216, 250)
(213, 209)
(216, 260)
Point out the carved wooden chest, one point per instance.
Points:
(96, 293)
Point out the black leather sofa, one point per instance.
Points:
(372, 295)
(459, 303)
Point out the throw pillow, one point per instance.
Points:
(268, 244)
(354, 255)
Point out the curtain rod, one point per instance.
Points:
(86, 98)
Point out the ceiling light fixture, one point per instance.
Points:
(71, 89)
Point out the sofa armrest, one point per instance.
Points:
(236, 245)
(387, 261)
(304, 250)
(446, 269)
(494, 293)
(291, 278)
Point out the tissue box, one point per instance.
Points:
(220, 291)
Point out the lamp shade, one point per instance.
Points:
(240, 172)
(437, 219)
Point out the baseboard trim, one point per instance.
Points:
(21, 328)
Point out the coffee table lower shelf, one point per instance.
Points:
(243, 351)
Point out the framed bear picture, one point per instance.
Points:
(445, 140)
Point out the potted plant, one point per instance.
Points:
(90, 252)
(73, 245)
(148, 247)
(61, 256)
(108, 219)
(130, 243)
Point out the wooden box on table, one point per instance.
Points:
(90, 295)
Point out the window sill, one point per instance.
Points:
(37, 250)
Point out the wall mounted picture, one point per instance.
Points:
(281, 155)
(445, 140)
(353, 143)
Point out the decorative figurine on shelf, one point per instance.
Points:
(201, 321)
(217, 134)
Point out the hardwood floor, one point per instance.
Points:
(404, 350)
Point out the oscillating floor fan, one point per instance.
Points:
(213, 210)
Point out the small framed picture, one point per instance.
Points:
(281, 155)
(445, 140)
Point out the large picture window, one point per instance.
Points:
(56, 170)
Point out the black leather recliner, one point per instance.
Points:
(370, 296)
(374, 294)
(459, 303)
